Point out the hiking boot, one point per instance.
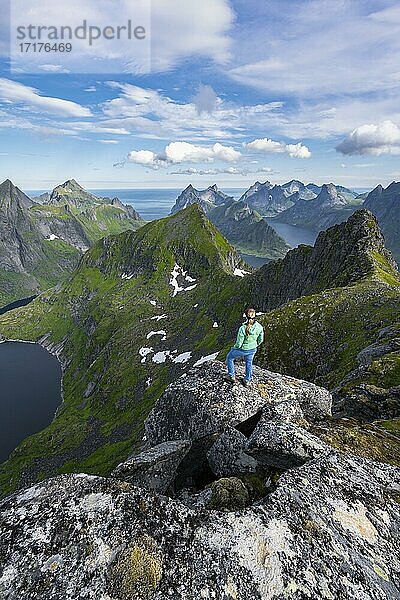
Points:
(245, 382)
(230, 378)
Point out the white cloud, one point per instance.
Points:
(181, 152)
(179, 31)
(226, 170)
(143, 157)
(304, 40)
(267, 145)
(17, 93)
(297, 150)
(108, 141)
(201, 28)
(371, 139)
(53, 68)
(150, 113)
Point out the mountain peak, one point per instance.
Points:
(207, 198)
(187, 238)
(71, 183)
(329, 195)
(10, 194)
(342, 255)
(394, 187)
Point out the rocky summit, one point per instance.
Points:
(42, 239)
(206, 510)
(242, 226)
(385, 204)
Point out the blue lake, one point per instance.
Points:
(294, 234)
(28, 402)
(30, 392)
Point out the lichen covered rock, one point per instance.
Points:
(329, 529)
(200, 402)
(155, 468)
(284, 445)
(228, 454)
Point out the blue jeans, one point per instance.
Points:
(248, 356)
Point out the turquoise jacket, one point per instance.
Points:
(252, 340)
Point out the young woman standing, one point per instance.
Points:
(249, 337)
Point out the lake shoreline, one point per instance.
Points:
(55, 382)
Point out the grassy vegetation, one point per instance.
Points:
(103, 320)
(49, 262)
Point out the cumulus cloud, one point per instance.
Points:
(143, 157)
(15, 93)
(383, 138)
(267, 145)
(181, 152)
(297, 150)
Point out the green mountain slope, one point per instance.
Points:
(247, 230)
(344, 330)
(243, 226)
(41, 242)
(175, 277)
(143, 306)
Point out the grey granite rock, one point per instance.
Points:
(200, 402)
(227, 455)
(154, 469)
(284, 445)
(329, 530)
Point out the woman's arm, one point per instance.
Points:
(240, 337)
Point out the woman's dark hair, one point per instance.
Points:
(246, 312)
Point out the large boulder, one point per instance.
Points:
(201, 403)
(329, 529)
(284, 445)
(228, 455)
(155, 468)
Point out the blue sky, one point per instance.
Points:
(238, 91)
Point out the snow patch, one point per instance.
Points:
(161, 332)
(159, 317)
(215, 324)
(53, 237)
(240, 272)
(182, 358)
(176, 272)
(195, 305)
(207, 358)
(144, 352)
(126, 276)
(161, 357)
